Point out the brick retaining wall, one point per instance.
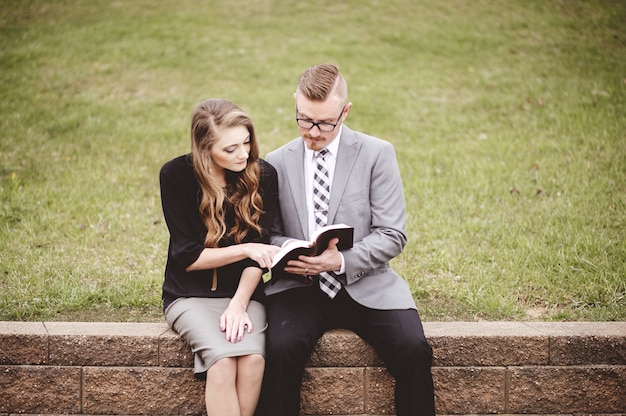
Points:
(480, 368)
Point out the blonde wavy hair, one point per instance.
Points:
(242, 189)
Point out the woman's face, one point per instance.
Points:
(231, 150)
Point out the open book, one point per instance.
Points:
(319, 242)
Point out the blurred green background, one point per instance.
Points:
(508, 119)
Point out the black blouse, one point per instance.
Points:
(180, 198)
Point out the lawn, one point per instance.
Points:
(508, 119)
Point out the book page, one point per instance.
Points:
(288, 247)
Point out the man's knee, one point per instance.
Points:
(411, 352)
(288, 344)
(420, 346)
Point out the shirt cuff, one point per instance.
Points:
(342, 269)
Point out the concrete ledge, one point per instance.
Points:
(479, 368)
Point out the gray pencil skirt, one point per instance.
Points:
(197, 321)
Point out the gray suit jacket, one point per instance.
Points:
(367, 194)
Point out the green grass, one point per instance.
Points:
(508, 119)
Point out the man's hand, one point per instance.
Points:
(328, 261)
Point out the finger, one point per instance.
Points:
(235, 327)
(223, 322)
(298, 270)
(262, 262)
(234, 334)
(241, 329)
(229, 330)
(302, 262)
(267, 260)
(333, 243)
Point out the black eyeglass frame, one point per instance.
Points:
(319, 124)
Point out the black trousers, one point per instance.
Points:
(297, 318)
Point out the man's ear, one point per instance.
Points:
(347, 110)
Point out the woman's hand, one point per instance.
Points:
(234, 322)
(261, 253)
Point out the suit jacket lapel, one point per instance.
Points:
(346, 157)
(294, 158)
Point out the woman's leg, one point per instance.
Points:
(249, 376)
(221, 391)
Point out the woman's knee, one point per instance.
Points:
(223, 370)
(254, 362)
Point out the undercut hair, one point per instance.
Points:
(320, 82)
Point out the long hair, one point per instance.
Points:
(242, 189)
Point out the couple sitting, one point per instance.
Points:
(228, 212)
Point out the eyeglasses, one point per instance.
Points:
(322, 125)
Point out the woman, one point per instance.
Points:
(218, 202)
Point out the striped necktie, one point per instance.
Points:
(321, 198)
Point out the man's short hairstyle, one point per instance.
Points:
(319, 82)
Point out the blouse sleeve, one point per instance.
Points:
(269, 193)
(179, 199)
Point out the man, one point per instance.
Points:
(331, 175)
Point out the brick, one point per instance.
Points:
(380, 391)
(345, 377)
(470, 344)
(174, 351)
(342, 348)
(39, 389)
(585, 343)
(588, 350)
(583, 389)
(141, 390)
(104, 343)
(469, 390)
(332, 391)
(23, 343)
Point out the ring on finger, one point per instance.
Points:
(306, 270)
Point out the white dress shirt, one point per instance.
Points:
(309, 171)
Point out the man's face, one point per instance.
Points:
(323, 118)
